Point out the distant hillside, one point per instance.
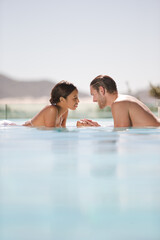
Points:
(10, 88)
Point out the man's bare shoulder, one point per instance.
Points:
(121, 100)
(122, 104)
(119, 107)
(125, 98)
(125, 101)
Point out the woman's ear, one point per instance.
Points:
(62, 99)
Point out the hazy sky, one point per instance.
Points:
(78, 40)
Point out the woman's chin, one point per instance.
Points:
(74, 108)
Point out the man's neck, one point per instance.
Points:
(111, 98)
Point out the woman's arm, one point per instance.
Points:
(65, 115)
(50, 116)
(87, 123)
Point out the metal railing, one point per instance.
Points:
(84, 110)
(25, 111)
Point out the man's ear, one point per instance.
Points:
(102, 90)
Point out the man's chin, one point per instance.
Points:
(101, 107)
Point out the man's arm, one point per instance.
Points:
(120, 114)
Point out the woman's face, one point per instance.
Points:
(72, 100)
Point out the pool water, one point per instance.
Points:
(79, 183)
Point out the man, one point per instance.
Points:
(127, 111)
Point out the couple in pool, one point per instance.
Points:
(127, 111)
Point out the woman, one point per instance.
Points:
(64, 96)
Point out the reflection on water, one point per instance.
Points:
(88, 183)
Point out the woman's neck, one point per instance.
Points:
(61, 110)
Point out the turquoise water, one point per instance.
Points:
(86, 183)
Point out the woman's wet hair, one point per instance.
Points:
(61, 89)
(106, 82)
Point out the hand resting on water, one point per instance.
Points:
(87, 123)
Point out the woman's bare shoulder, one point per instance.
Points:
(50, 109)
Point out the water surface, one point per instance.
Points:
(79, 183)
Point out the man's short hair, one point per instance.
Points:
(106, 82)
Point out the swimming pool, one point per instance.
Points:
(79, 183)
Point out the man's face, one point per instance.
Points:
(99, 97)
